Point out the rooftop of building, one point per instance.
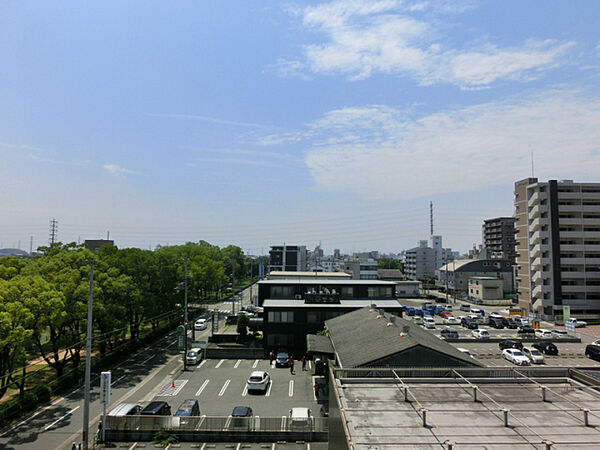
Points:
(341, 281)
(485, 278)
(462, 263)
(313, 274)
(359, 303)
(431, 408)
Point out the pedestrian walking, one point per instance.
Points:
(292, 366)
(303, 363)
(271, 357)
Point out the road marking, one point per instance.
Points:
(227, 423)
(238, 446)
(58, 420)
(146, 360)
(255, 364)
(237, 363)
(219, 364)
(57, 401)
(282, 423)
(245, 391)
(273, 446)
(202, 418)
(169, 390)
(117, 380)
(174, 342)
(291, 388)
(224, 388)
(201, 364)
(133, 446)
(202, 387)
(308, 446)
(269, 389)
(310, 365)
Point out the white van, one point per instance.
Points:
(200, 324)
(194, 356)
(300, 419)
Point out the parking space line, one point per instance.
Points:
(308, 446)
(273, 446)
(245, 391)
(291, 388)
(219, 364)
(203, 446)
(310, 365)
(201, 364)
(269, 389)
(133, 446)
(202, 387)
(238, 446)
(227, 423)
(255, 364)
(282, 424)
(61, 418)
(224, 388)
(236, 365)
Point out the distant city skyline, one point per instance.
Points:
(258, 123)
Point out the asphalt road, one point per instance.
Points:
(59, 424)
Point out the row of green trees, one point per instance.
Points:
(43, 300)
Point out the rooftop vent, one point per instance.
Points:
(405, 329)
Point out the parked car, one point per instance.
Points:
(409, 310)
(495, 315)
(465, 307)
(469, 323)
(189, 408)
(546, 347)
(126, 409)
(240, 417)
(200, 324)
(258, 381)
(592, 351)
(543, 334)
(577, 323)
(418, 320)
(534, 355)
(300, 419)
(429, 322)
(282, 360)
(509, 322)
(480, 334)
(516, 357)
(509, 343)
(526, 331)
(445, 314)
(465, 351)
(448, 308)
(522, 321)
(194, 356)
(451, 320)
(156, 408)
(419, 312)
(560, 334)
(596, 342)
(496, 322)
(449, 333)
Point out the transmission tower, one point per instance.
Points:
(53, 231)
(430, 218)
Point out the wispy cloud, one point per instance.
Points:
(114, 169)
(47, 160)
(238, 161)
(207, 119)
(20, 147)
(380, 152)
(363, 37)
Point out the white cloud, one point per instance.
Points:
(206, 119)
(379, 152)
(114, 169)
(363, 37)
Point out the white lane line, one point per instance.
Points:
(310, 365)
(57, 401)
(245, 391)
(237, 364)
(227, 423)
(282, 424)
(146, 360)
(224, 388)
(291, 388)
(219, 364)
(201, 364)
(269, 389)
(172, 343)
(273, 446)
(117, 380)
(58, 420)
(25, 421)
(238, 446)
(202, 387)
(308, 446)
(255, 364)
(202, 418)
(133, 446)
(179, 384)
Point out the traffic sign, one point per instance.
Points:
(105, 387)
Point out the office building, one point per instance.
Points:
(287, 258)
(498, 237)
(558, 247)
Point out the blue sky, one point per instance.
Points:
(262, 122)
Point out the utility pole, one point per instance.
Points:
(30, 245)
(233, 288)
(185, 316)
(88, 360)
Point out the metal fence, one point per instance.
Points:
(216, 423)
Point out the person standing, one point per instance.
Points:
(292, 366)
(303, 363)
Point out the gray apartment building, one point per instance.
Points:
(420, 262)
(498, 237)
(558, 247)
(287, 258)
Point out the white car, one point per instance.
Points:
(560, 334)
(429, 322)
(448, 308)
(543, 334)
(258, 381)
(577, 323)
(596, 342)
(480, 334)
(495, 315)
(534, 355)
(521, 321)
(418, 320)
(516, 357)
(200, 324)
(451, 320)
(465, 351)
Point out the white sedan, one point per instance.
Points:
(495, 315)
(544, 334)
(534, 355)
(480, 334)
(258, 381)
(451, 320)
(516, 357)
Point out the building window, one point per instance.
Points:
(280, 340)
(281, 316)
(379, 292)
(282, 292)
(347, 292)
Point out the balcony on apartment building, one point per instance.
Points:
(539, 276)
(536, 198)
(536, 236)
(541, 289)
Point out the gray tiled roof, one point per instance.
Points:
(363, 336)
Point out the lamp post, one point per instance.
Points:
(88, 359)
(185, 314)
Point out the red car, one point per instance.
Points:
(445, 314)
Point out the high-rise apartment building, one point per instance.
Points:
(558, 246)
(498, 237)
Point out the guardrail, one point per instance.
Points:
(216, 424)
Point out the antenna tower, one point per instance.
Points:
(431, 218)
(53, 231)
